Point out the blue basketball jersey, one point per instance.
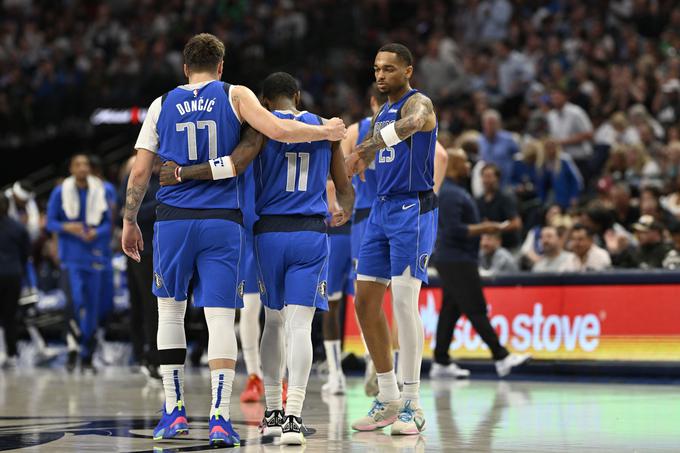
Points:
(408, 166)
(194, 126)
(365, 190)
(290, 178)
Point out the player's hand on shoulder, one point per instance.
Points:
(167, 174)
(336, 129)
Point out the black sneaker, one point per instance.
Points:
(271, 423)
(71, 361)
(86, 366)
(291, 431)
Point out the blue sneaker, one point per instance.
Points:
(172, 424)
(222, 434)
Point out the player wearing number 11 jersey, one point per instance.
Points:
(291, 244)
(198, 234)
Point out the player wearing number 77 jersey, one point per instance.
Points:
(198, 233)
(291, 245)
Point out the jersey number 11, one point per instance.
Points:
(292, 171)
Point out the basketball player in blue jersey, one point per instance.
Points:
(399, 237)
(198, 233)
(291, 245)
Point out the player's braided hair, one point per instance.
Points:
(203, 52)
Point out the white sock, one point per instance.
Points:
(272, 349)
(249, 327)
(173, 385)
(333, 354)
(405, 291)
(398, 367)
(222, 380)
(387, 387)
(299, 354)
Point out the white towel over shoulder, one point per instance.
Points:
(96, 204)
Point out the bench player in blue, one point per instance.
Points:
(198, 234)
(291, 246)
(399, 237)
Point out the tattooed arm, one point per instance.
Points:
(138, 182)
(248, 148)
(417, 115)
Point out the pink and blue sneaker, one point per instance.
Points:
(222, 434)
(173, 424)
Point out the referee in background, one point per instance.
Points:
(456, 259)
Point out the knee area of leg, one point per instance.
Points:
(171, 310)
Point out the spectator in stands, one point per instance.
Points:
(14, 251)
(498, 206)
(497, 146)
(616, 130)
(587, 255)
(555, 258)
(643, 170)
(652, 250)
(493, 258)
(559, 180)
(531, 249)
(650, 204)
(672, 259)
(525, 179)
(625, 212)
(570, 126)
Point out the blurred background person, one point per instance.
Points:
(493, 258)
(554, 258)
(78, 213)
(495, 205)
(456, 258)
(14, 251)
(587, 255)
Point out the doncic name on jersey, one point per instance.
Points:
(196, 105)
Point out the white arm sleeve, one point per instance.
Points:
(148, 135)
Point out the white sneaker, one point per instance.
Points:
(370, 379)
(291, 431)
(439, 371)
(503, 367)
(335, 385)
(380, 416)
(410, 421)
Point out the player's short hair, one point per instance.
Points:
(279, 84)
(379, 96)
(401, 50)
(203, 53)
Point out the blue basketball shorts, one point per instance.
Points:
(400, 234)
(250, 264)
(293, 268)
(207, 251)
(340, 273)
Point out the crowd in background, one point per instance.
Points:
(569, 111)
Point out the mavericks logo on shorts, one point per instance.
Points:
(422, 261)
(158, 280)
(323, 289)
(241, 288)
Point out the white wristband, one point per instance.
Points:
(389, 135)
(222, 168)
